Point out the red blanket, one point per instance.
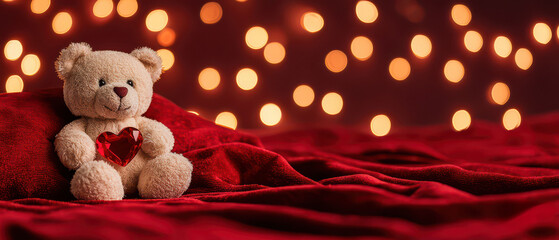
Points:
(427, 183)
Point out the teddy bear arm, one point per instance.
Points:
(158, 139)
(73, 146)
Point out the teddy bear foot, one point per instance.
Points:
(166, 176)
(97, 180)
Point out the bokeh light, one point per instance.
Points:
(361, 48)
(246, 79)
(461, 120)
(421, 46)
(312, 22)
(303, 95)
(274, 52)
(473, 41)
(102, 8)
(511, 119)
(256, 37)
(157, 20)
(166, 37)
(209, 78)
(14, 84)
(366, 11)
(61, 23)
(226, 119)
(523, 58)
(399, 69)
(461, 14)
(13, 50)
(454, 71)
(211, 13)
(542, 33)
(500, 93)
(335, 61)
(30, 64)
(270, 114)
(332, 103)
(39, 6)
(127, 8)
(502, 46)
(167, 58)
(380, 125)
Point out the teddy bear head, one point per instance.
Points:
(107, 84)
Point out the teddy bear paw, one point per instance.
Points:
(97, 180)
(166, 176)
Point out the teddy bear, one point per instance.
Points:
(109, 91)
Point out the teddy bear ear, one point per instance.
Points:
(68, 57)
(151, 61)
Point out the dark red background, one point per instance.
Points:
(424, 98)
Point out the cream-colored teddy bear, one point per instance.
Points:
(110, 91)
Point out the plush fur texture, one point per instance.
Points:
(90, 78)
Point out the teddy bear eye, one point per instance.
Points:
(102, 82)
(129, 82)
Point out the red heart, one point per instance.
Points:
(121, 148)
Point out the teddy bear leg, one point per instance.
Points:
(165, 176)
(97, 180)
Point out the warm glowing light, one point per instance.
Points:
(312, 22)
(461, 14)
(399, 69)
(226, 119)
(473, 41)
(542, 33)
(500, 93)
(511, 119)
(380, 125)
(332, 103)
(30, 64)
(502, 46)
(166, 37)
(209, 78)
(157, 20)
(366, 11)
(167, 58)
(454, 71)
(303, 96)
(194, 112)
(523, 58)
(102, 8)
(61, 23)
(246, 79)
(14, 84)
(335, 61)
(39, 6)
(421, 46)
(127, 8)
(270, 114)
(211, 13)
(461, 120)
(256, 37)
(274, 52)
(13, 50)
(361, 48)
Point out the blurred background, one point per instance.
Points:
(275, 65)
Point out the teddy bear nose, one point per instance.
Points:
(121, 91)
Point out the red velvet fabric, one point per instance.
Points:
(425, 183)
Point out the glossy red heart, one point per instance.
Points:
(121, 148)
